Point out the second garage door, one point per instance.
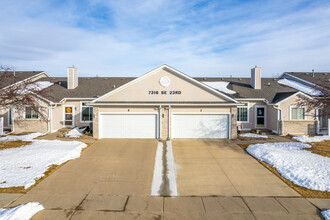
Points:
(128, 126)
(199, 126)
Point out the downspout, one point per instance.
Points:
(282, 124)
(50, 113)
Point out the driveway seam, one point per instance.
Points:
(79, 205)
(248, 207)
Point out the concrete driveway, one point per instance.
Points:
(222, 168)
(112, 180)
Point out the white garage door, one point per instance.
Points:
(199, 126)
(128, 126)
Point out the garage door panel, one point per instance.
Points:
(128, 126)
(199, 126)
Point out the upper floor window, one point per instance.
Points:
(30, 113)
(86, 112)
(297, 113)
(242, 113)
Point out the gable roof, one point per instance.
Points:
(270, 89)
(17, 76)
(174, 71)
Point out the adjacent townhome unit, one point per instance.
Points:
(166, 103)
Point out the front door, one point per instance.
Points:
(260, 120)
(68, 116)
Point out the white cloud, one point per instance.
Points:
(209, 39)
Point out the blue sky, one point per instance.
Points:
(199, 38)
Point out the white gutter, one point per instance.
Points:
(252, 99)
(172, 104)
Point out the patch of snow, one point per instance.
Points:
(326, 214)
(300, 87)
(306, 139)
(22, 166)
(21, 212)
(158, 171)
(301, 167)
(221, 86)
(76, 132)
(28, 137)
(171, 169)
(251, 135)
(36, 86)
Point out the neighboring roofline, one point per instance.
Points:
(295, 77)
(163, 103)
(31, 77)
(172, 69)
(296, 93)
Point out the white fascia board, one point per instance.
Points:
(172, 69)
(157, 104)
(252, 99)
(75, 99)
(297, 93)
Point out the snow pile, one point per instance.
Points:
(28, 137)
(21, 212)
(221, 86)
(24, 165)
(76, 132)
(251, 135)
(300, 87)
(305, 139)
(171, 169)
(157, 179)
(326, 214)
(302, 167)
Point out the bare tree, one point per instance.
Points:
(320, 101)
(19, 94)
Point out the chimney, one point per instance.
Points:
(256, 77)
(72, 81)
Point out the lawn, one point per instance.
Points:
(318, 148)
(24, 163)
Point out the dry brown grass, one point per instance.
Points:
(321, 148)
(13, 144)
(307, 193)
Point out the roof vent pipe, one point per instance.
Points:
(313, 72)
(256, 77)
(72, 81)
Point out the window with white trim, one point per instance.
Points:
(30, 113)
(297, 113)
(86, 112)
(242, 113)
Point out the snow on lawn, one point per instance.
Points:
(22, 166)
(221, 86)
(27, 137)
(326, 214)
(76, 132)
(300, 87)
(301, 167)
(21, 212)
(251, 135)
(305, 139)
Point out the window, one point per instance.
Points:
(242, 113)
(297, 113)
(86, 112)
(30, 113)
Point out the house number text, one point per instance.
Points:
(172, 92)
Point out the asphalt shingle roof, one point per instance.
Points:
(319, 78)
(19, 76)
